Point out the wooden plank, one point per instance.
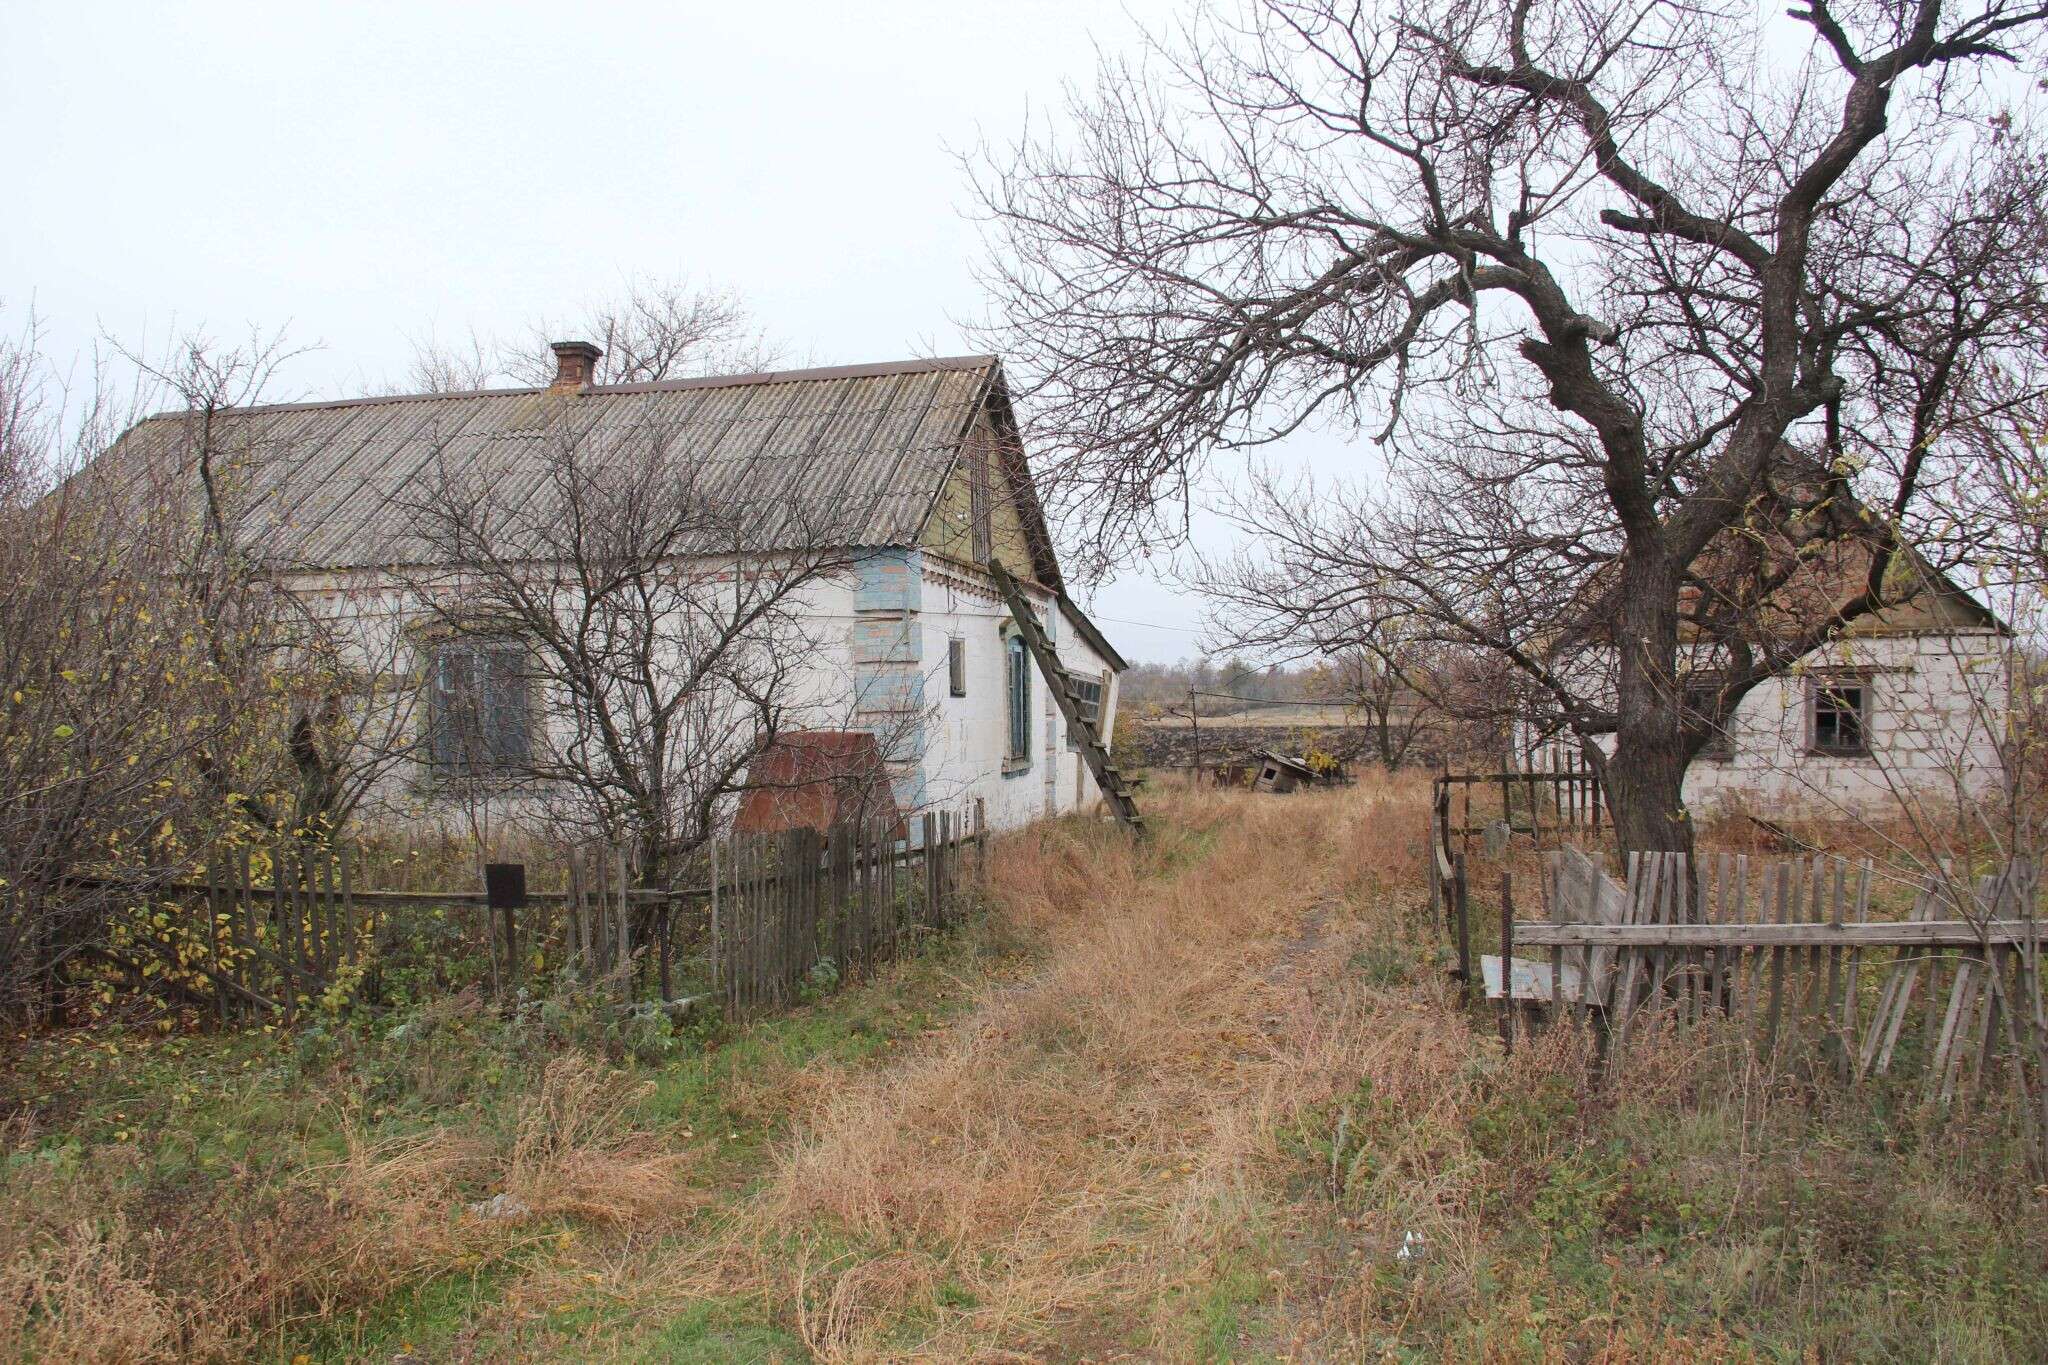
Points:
(1833, 954)
(1621, 1003)
(1936, 959)
(1995, 968)
(1507, 950)
(1939, 1084)
(1744, 961)
(1554, 903)
(1463, 908)
(1663, 910)
(1906, 977)
(1773, 935)
(1785, 884)
(1852, 981)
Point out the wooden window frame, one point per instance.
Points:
(492, 769)
(1720, 745)
(1821, 683)
(1090, 709)
(1017, 666)
(956, 666)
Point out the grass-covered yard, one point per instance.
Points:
(1184, 1102)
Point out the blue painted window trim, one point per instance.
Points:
(1017, 698)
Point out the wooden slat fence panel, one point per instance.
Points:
(800, 910)
(1788, 950)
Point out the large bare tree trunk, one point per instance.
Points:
(1645, 778)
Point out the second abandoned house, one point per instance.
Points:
(803, 556)
(1906, 703)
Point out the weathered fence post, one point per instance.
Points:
(1464, 932)
(1507, 957)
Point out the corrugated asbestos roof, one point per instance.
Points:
(861, 449)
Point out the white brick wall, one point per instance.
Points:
(1936, 703)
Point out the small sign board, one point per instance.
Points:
(505, 886)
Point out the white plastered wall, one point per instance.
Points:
(968, 736)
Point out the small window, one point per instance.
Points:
(1088, 705)
(1840, 717)
(956, 667)
(479, 722)
(1699, 698)
(1018, 672)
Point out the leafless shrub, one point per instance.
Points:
(658, 623)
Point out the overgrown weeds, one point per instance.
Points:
(1204, 1097)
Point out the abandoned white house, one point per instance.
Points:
(1906, 704)
(902, 484)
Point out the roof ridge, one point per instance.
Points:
(870, 370)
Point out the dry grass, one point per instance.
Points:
(79, 1281)
(1077, 1158)
(1231, 1081)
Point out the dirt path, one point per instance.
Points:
(1106, 1151)
(1079, 1167)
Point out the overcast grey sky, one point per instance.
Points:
(368, 174)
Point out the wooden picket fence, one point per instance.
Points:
(275, 939)
(267, 932)
(1784, 949)
(802, 908)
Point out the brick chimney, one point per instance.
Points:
(575, 366)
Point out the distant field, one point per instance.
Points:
(1286, 714)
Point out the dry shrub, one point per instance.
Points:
(200, 1281)
(840, 1305)
(74, 1297)
(575, 1152)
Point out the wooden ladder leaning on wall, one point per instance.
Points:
(1107, 776)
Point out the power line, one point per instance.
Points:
(1145, 625)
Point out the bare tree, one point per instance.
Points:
(615, 636)
(653, 330)
(1392, 685)
(322, 724)
(1648, 318)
